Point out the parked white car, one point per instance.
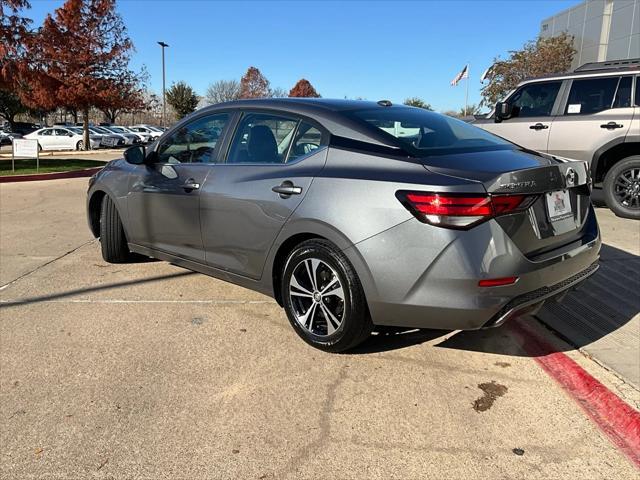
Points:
(108, 139)
(131, 138)
(62, 138)
(153, 132)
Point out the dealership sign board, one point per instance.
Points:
(24, 148)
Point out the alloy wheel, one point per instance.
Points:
(317, 296)
(627, 188)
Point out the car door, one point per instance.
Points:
(62, 140)
(164, 198)
(46, 139)
(597, 112)
(271, 162)
(531, 120)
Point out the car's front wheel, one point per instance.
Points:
(323, 297)
(113, 241)
(622, 188)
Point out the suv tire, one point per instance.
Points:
(624, 177)
(113, 241)
(319, 285)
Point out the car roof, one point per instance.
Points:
(330, 113)
(594, 69)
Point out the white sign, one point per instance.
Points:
(25, 148)
(574, 108)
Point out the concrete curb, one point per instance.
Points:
(86, 172)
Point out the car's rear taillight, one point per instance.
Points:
(462, 211)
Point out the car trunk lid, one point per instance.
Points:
(558, 215)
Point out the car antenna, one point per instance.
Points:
(384, 103)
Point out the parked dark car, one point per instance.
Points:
(353, 214)
(23, 128)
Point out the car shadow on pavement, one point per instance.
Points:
(602, 305)
(82, 291)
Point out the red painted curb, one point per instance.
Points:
(618, 420)
(87, 172)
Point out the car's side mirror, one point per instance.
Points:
(69, 134)
(135, 155)
(504, 111)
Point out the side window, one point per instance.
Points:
(637, 102)
(194, 142)
(308, 138)
(535, 99)
(262, 138)
(59, 132)
(46, 132)
(591, 95)
(623, 93)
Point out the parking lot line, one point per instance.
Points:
(116, 301)
(618, 420)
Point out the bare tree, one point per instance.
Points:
(222, 91)
(278, 92)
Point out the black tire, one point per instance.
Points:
(355, 325)
(112, 238)
(618, 176)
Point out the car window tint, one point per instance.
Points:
(262, 138)
(194, 142)
(591, 95)
(637, 97)
(623, 93)
(46, 132)
(431, 132)
(308, 139)
(535, 99)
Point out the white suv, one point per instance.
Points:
(591, 114)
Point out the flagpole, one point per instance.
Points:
(466, 95)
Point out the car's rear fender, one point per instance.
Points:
(419, 275)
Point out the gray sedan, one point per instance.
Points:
(353, 214)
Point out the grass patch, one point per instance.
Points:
(47, 165)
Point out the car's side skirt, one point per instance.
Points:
(239, 280)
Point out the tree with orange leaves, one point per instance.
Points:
(79, 59)
(303, 89)
(254, 85)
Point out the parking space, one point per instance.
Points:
(148, 370)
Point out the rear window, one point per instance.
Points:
(431, 133)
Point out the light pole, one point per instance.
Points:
(164, 95)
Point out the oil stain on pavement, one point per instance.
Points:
(491, 391)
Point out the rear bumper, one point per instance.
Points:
(530, 303)
(420, 276)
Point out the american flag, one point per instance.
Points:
(463, 74)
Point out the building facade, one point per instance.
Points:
(602, 29)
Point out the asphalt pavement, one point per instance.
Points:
(146, 370)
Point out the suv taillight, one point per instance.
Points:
(461, 211)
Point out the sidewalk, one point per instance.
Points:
(602, 318)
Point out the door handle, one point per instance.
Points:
(611, 125)
(191, 184)
(286, 189)
(538, 126)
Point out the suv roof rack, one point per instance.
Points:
(609, 65)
